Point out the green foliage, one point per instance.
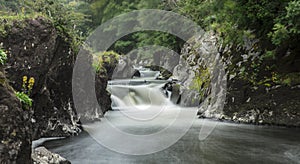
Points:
(103, 10)
(290, 79)
(3, 57)
(13, 19)
(287, 25)
(280, 33)
(275, 25)
(27, 86)
(234, 20)
(25, 99)
(102, 60)
(202, 80)
(66, 19)
(78, 18)
(158, 38)
(269, 55)
(62, 13)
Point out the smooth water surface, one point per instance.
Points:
(228, 143)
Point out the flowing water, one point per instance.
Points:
(141, 107)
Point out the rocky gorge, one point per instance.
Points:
(201, 83)
(36, 49)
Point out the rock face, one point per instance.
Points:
(124, 69)
(160, 60)
(15, 126)
(198, 68)
(42, 156)
(37, 49)
(277, 105)
(167, 60)
(91, 106)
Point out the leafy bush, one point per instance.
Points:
(64, 15)
(25, 99)
(287, 25)
(3, 57)
(104, 60)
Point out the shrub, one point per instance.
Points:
(105, 59)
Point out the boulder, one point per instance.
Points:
(37, 49)
(15, 126)
(41, 155)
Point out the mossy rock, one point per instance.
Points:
(291, 79)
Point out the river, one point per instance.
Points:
(138, 109)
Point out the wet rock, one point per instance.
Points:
(164, 73)
(41, 155)
(36, 49)
(136, 74)
(173, 89)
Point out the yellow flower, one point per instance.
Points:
(30, 85)
(24, 79)
(31, 80)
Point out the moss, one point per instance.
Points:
(287, 81)
(17, 20)
(201, 82)
(104, 59)
(290, 79)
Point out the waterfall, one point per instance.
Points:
(140, 93)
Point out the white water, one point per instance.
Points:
(143, 99)
(138, 94)
(129, 96)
